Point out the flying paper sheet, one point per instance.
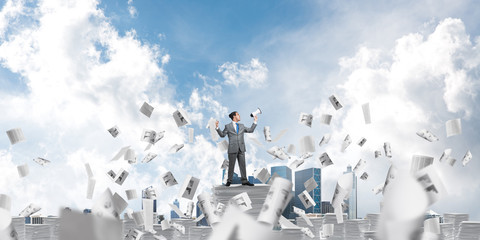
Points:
(342, 192)
(89, 170)
(223, 146)
(366, 113)
(120, 153)
(285, 223)
(146, 109)
(29, 210)
(454, 127)
(445, 155)
(119, 203)
(427, 135)
(451, 161)
(133, 234)
(378, 189)
(306, 119)
(279, 135)
(5, 202)
(150, 136)
(263, 175)
(346, 143)
(306, 199)
(297, 163)
(150, 193)
(277, 152)
(189, 187)
(165, 225)
(361, 164)
(307, 144)
(300, 212)
(176, 147)
(205, 204)
(114, 131)
(267, 134)
(190, 207)
(325, 160)
(104, 206)
(277, 199)
(467, 158)
(150, 156)
(79, 226)
(190, 135)
(168, 179)
(306, 155)
(334, 101)
(362, 141)
(291, 149)
(120, 177)
(224, 164)
(90, 188)
(41, 161)
(220, 209)
(181, 118)
(23, 170)
(391, 175)
(325, 139)
(326, 119)
(213, 132)
(310, 184)
(15, 135)
(139, 218)
(431, 183)
(364, 176)
(130, 156)
(419, 162)
(387, 149)
(111, 174)
(131, 194)
(378, 154)
(308, 232)
(242, 201)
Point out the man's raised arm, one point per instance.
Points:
(252, 128)
(220, 133)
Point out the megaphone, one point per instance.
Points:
(258, 111)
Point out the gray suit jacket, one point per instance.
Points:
(235, 141)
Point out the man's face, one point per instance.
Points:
(237, 117)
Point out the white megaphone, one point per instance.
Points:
(258, 111)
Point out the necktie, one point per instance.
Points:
(237, 127)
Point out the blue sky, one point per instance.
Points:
(70, 71)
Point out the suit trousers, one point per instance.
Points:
(232, 157)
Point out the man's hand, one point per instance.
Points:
(216, 124)
(255, 118)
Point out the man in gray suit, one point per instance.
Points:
(236, 145)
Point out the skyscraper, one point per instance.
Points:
(352, 200)
(173, 214)
(145, 194)
(285, 172)
(301, 177)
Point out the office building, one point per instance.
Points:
(300, 178)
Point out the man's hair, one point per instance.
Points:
(232, 114)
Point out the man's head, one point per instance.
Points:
(235, 116)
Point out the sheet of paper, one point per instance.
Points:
(454, 127)
(346, 142)
(277, 152)
(361, 164)
(114, 131)
(307, 144)
(300, 212)
(342, 192)
(168, 179)
(121, 176)
(134, 234)
(222, 146)
(130, 156)
(325, 160)
(261, 174)
(335, 103)
(306, 155)
(285, 223)
(148, 136)
(205, 204)
(280, 135)
(277, 199)
(5, 202)
(419, 162)
(131, 194)
(181, 118)
(451, 161)
(431, 183)
(190, 135)
(291, 149)
(103, 206)
(139, 218)
(146, 109)
(308, 232)
(388, 149)
(41, 161)
(306, 199)
(165, 225)
(189, 187)
(295, 164)
(378, 153)
(190, 208)
(310, 184)
(15, 135)
(89, 170)
(364, 176)
(362, 141)
(119, 203)
(325, 139)
(199, 218)
(366, 113)
(90, 188)
(120, 153)
(176, 147)
(306, 119)
(267, 134)
(445, 155)
(427, 135)
(326, 119)
(213, 132)
(224, 164)
(466, 159)
(149, 157)
(23, 170)
(242, 201)
(29, 210)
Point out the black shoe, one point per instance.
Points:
(248, 184)
(228, 184)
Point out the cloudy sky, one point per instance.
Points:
(69, 70)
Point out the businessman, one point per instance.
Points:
(236, 145)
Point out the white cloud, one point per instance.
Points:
(131, 9)
(254, 74)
